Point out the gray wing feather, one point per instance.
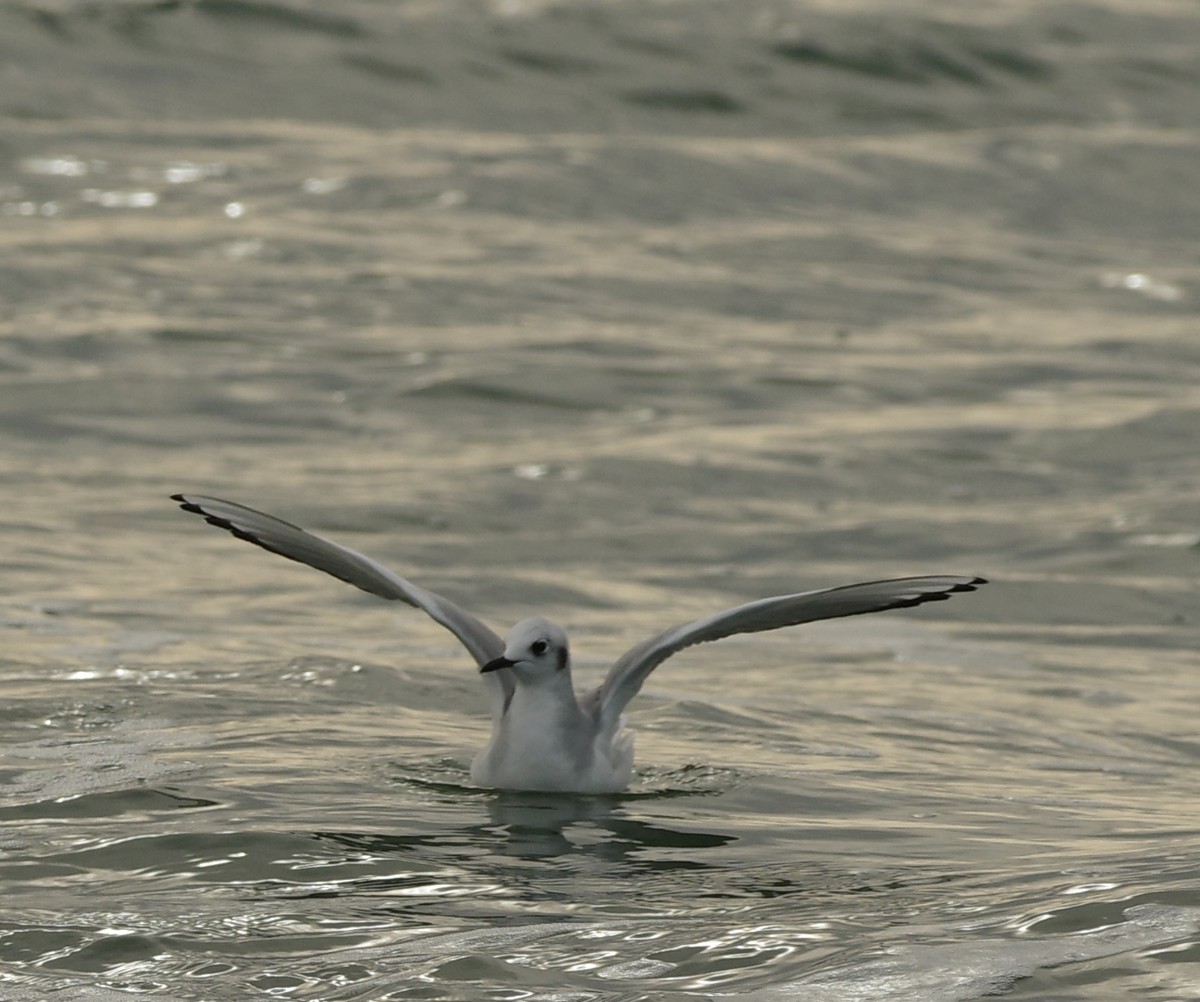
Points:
(625, 677)
(291, 541)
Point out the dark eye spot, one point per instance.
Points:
(539, 647)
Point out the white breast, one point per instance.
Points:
(545, 743)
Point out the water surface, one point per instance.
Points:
(622, 314)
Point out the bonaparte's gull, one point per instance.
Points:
(544, 737)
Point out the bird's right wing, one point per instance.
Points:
(625, 677)
(348, 565)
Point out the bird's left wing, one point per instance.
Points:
(626, 676)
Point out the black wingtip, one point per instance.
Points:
(941, 595)
(187, 505)
(971, 585)
(958, 589)
(220, 522)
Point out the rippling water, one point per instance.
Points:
(621, 313)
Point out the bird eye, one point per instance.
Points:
(539, 647)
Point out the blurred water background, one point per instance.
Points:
(621, 312)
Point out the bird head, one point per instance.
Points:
(534, 649)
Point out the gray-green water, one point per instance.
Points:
(620, 313)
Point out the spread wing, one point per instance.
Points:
(625, 677)
(295, 543)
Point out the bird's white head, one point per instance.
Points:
(534, 649)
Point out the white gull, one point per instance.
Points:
(544, 736)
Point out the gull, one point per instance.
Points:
(544, 736)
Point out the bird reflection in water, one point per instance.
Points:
(537, 826)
